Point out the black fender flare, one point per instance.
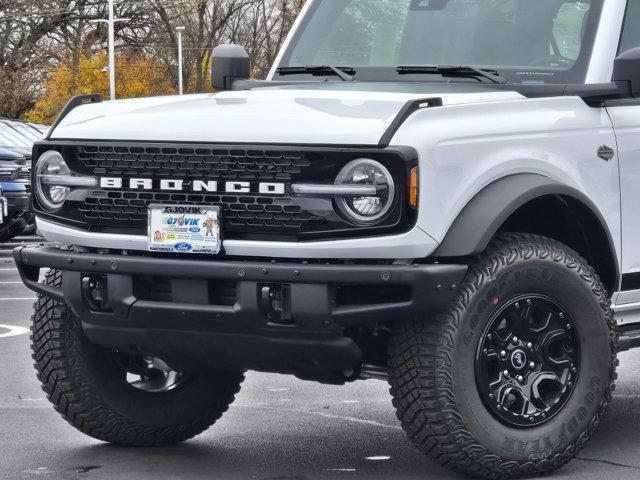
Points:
(482, 217)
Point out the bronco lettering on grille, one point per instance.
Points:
(171, 185)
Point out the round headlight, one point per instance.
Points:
(50, 165)
(369, 208)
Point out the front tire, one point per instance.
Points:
(88, 384)
(468, 415)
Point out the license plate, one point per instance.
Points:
(184, 228)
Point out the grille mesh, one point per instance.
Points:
(130, 208)
(232, 164)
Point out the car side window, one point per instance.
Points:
(631, 29)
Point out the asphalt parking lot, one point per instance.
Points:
(279, 428)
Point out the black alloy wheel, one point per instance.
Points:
(528, 361)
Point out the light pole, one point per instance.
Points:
(179, 30)
(112, 56)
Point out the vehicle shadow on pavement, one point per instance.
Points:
(321, 451)
(195, 461)
(324, 451)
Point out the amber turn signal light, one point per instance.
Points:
(413, 188)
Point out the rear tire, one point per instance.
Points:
(440, 397)
(87, 384)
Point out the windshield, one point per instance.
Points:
(526, 41)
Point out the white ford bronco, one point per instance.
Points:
(441, 193)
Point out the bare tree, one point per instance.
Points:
(24, 24)
(37, 36)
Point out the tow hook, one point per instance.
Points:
(276, 303)
(94, 288)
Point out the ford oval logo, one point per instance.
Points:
(182, 247)
(194, 229)
(518, 359)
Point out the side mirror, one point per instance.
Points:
(228, 63)
(627, 69)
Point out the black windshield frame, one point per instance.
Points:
(577, 74)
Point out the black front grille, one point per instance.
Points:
(248, 215)
(239, 212)
(212, 163)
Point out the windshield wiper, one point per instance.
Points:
(343, 72)
(464, 70)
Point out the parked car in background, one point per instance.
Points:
(4, 209)
(16, 140)
(31, 131)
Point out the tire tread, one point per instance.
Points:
(59, 363)
(421, 384)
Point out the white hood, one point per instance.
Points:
(287, 115)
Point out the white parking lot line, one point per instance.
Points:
(319, 414)
(13, 331)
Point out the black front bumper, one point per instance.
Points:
(172, 307)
